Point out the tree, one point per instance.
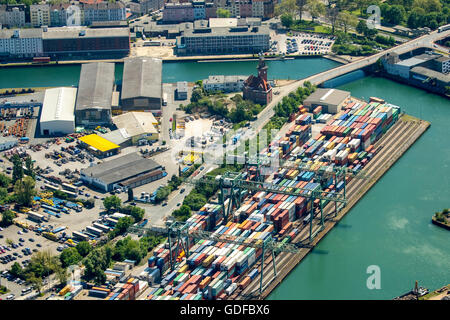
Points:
(30, 167)
(17, 168)
(194, 200)
(162, 193)
(223, 13)
(362, 5)
(61, 275)
(16, 270)
(4, 180)
(286, 6)
(112, 202)
(395, 14)
(122, 225)
(24, 191)
(316, 9)
(346, 20)
(197, 94)
(8, 217)
(332, 15)
(69, 257)
(130, 194)
(35, 281)
(287, 20)
(83, 248)
(183, 213)
(361, 27)
(301, 4)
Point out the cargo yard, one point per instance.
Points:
(287, 214)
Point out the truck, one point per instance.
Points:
(164, 100)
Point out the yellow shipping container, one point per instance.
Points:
(330, 145)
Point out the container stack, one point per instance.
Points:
(214, 269)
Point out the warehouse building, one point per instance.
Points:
(82, 41)
(331, 100)
(57, 114)
(129, 171)
(95, 89)
(142, 85)
(99, 146)
(137, 126)
(246, 39)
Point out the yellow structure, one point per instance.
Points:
(99, 145)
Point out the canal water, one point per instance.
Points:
(390, 227)
(68, 75)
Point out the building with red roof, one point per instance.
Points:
(257, 88)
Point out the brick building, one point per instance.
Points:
(257, 88)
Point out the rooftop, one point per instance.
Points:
(98, 143)
(122, 168)
(414, 61)
(83, 32)
(136, 123)
(431, 74)
(142, 78)
(327, 96)
(59, 104)
(182, 86)
(95, 86)
(224, 79)
(227, 31)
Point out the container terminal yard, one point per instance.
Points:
(277, 215)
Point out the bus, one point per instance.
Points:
(152, 43)
(164, 100)
(70, 194)
(444, 28)
(70, 187)
(80, 236)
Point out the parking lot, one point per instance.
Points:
(301, 44)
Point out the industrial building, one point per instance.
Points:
(207, 40)
(142, 85)
(331, 100)
(99, 146)
(82, 41)
(130, 171)
(224, 83)
(57, 114)
(137, 126)
(95, 89)
(181, 92)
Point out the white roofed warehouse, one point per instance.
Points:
(57, 114)
(331, 100)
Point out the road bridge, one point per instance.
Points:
(426, 41)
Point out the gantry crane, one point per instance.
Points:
(237, 185)
(180, 231)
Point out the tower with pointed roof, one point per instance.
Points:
(257, 88)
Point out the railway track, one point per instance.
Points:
(398, 139)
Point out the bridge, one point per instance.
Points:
(420, 42)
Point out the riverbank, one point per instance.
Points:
(218, 58)
(398, 140)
